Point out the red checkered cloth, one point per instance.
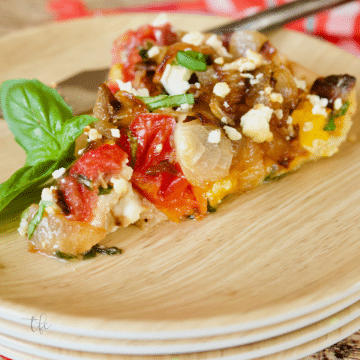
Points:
(340, 26)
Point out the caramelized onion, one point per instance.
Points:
(285, 85)
(240, 41)
(200, 160)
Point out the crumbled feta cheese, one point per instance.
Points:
(186, 106)
(338, 104)
(268, 90)
(319, 104)
(248, 63)
(81, 151)
(58, 173)
(259, 76)
(255, 123)
(301, 84)
(221, 89)
(93, 135)
(115, 133)
(217, 45)
(160, 20)
(254, 81)
(287, 138)
(214, 136)
(226, 104)
(175, 79)
(119, 185)
(153, 51)
(308, 126)
(129, 208)
(289, 120)
(219, 60)
(279, 113)
(291, 130)
(128, 88)
(224, 120)
(47, 195)
(193, 37)
(249, 76)
(197, 85)
(276, 97)
(158, 148)
(232, 133)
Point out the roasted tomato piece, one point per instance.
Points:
(79, 198)
(126, 48)
(78, 191)
(106, 159)
(157, 175)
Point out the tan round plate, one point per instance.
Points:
(286, 347)
(277, 253)
(116, 346)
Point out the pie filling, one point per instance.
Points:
(184, 120)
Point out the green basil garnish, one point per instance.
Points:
(330, 125)
(44, 127)
(167, 101)
(105, 191)
(37, 218)
(192, 60)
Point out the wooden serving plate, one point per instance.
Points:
(277, 253)
(290, 346)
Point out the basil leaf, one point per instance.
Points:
(34, 113)
(151, 99)
(40, 119)
(167, 100)
(330, 125)
(37, 218)
(192, 60)
(25, 178)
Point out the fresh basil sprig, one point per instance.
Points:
(192, 60)
(166, 100)
(330, 125)
(44, 127)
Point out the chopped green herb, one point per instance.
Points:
(167, 101)
(105, 191)
(210, 209)
(89, 254)
(192, 60)
(82, 179)
(38, 217)
(330, 125)
(143, 54)
(133, 147)
(107, 250)
(65, 256)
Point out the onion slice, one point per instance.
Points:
(201, 161)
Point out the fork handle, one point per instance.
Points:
(275, 17)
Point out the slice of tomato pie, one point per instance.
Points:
(184, 120)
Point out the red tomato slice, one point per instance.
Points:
(126, 48)
(107, 158)
(79, 199)
(156, 174)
